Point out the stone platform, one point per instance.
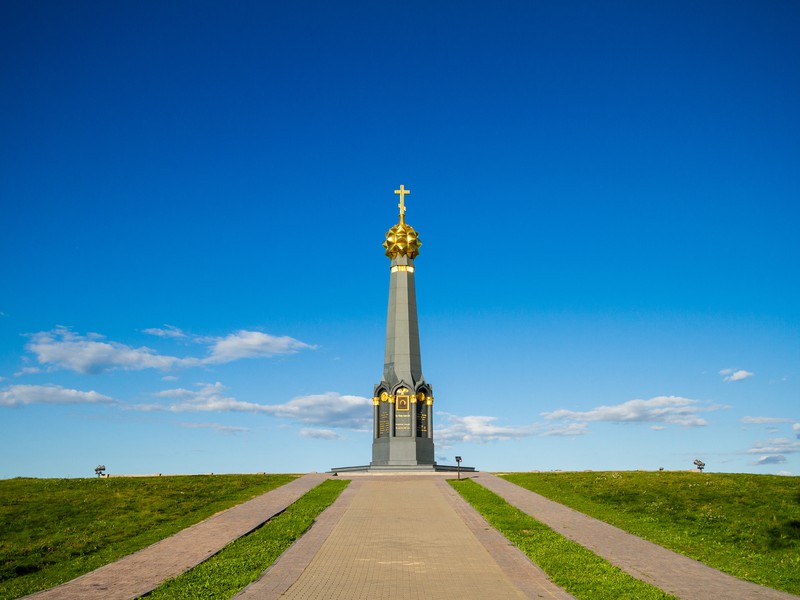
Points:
(399, 469)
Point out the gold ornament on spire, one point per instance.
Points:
(402, 239)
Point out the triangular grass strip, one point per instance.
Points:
(53, 530)
(571, 566)
(241, 562)
(740, 523)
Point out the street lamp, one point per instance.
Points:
(458, 460)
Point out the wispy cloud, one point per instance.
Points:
(734, 375)
(17, 395)
(210, 397)
(61, 348)
(169, 331)
(27, 371)
(563, 429)
(331, 408)
(479, 429)
(775, 446)
(672, 410)
(215, 427)
(771, 459)
(765, 420)
(320, 434)
(252, 344)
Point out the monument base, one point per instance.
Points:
(385, 469)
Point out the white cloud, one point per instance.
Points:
(784, 473)
(796, 427)
(320, 434)
(331, 409)
(774, 459)
(61, 348)
(765, 420)
(672, 410)
(252, 344)
(479, 429)
(209, 398)
(215, 427)
(27, 371)
(565, 429)
(775, 446)
(16, 395)
(657, 427)
(731, 375)
(169, 331)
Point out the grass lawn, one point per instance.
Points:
(243, 560)
(53, 530)
(745, 525)
(579, 571)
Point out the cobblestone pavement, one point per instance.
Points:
(402, 537)
(143, 571)
(672, 572)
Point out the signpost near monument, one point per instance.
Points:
(402, 431)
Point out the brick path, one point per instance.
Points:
(143, 571)
(402, 537)
(672, 572)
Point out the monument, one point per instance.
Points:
(402, 427)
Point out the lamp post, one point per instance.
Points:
(458, 460)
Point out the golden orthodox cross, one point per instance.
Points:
(402, 206)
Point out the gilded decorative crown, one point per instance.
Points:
(402, 240)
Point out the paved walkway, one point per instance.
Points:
(143, 571)
(402, 537)
(672, 572)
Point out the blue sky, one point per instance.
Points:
(194, 196)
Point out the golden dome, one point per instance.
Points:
(401, 240)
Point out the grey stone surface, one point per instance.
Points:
(402, 438)
(402, 358)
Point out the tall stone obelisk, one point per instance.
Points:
(403, 400)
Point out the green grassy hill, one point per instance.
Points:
(53, 530)
(746, 525)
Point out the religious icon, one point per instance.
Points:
(402, 402)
